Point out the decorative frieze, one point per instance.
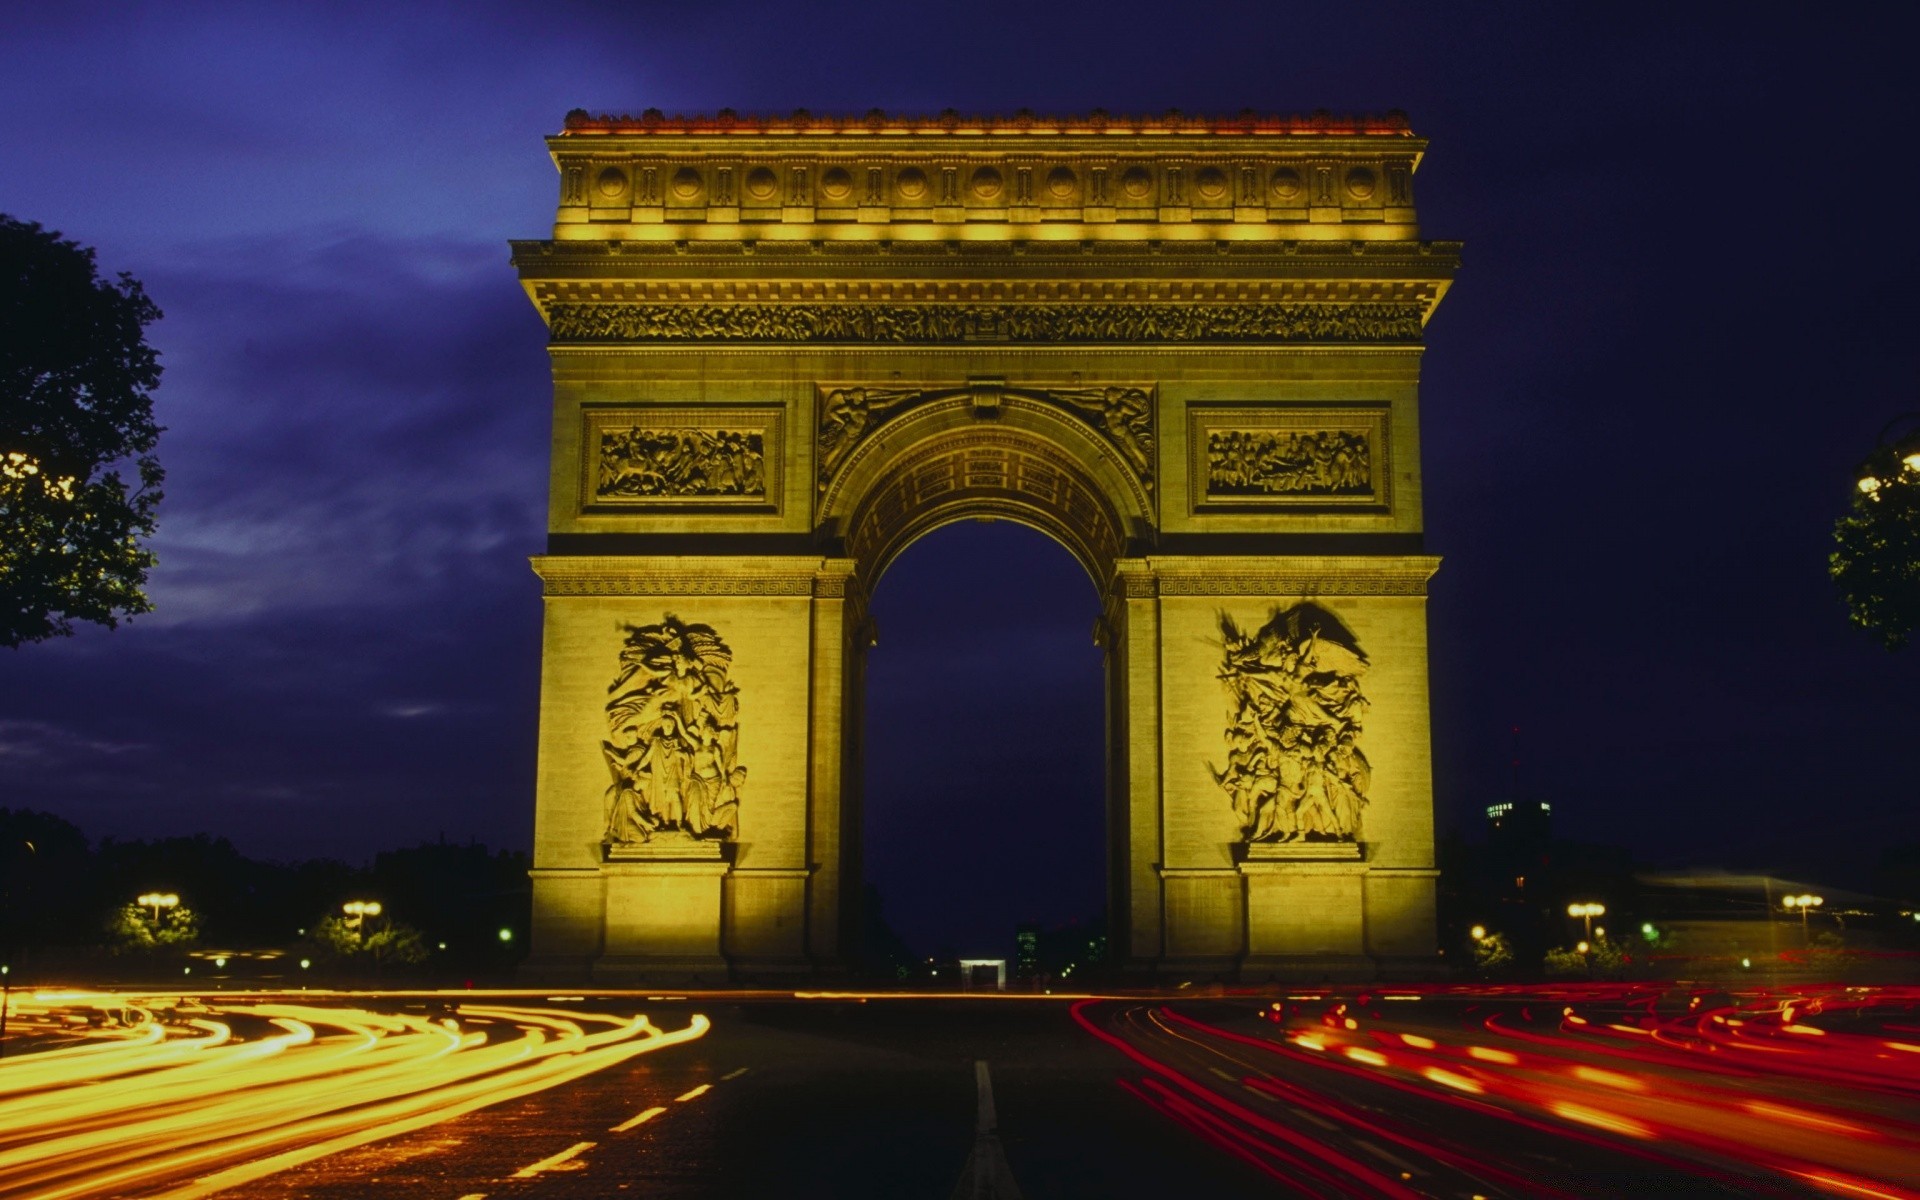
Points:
(650, 457)
(1262, 462)
(1092, 169)
(1013, 322)
(1291, 456)
(637, 463)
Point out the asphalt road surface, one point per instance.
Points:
(1588, 1092)
(818, 1098)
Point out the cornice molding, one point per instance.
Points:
(606, 575)
(1238, 575)
(876, 122)
(1041, 291)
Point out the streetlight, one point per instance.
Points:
(1803, 902)
(360, 910)
(1891, 458)
(1587, 912)
(1478, 933)
(157, 901)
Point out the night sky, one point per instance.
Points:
(1688, 305)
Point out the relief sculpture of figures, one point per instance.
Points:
(849, 414)
(1295, 770)
(682, 462)
(673, 724)
(1333, 462)
(1124, 415)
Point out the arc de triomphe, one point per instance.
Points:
(784, 348)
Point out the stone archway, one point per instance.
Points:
(779, 359)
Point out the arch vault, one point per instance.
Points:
(783, 349)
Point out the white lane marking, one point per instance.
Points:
(548, 1164)
(988, 1121)
(694, 1094)
(986, 1175)
(640, 1118)
(735, 1074)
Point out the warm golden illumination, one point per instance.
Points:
(18, 466)
(157, 901)
(159, 1093)
(1120, 332)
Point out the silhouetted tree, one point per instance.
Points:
(463, 895)
(371, 940)
(135, 928)
(76, 377)
(46, 877)
(1876, 560)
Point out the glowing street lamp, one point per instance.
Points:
(1891, 458)
(1478, 933)
(360, 910)
(157, 901)
(1587, 912)
(1803, 902)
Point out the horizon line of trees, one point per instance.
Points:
(64, 897)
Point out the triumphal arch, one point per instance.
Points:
(783, 348)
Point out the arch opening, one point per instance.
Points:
(983, 745)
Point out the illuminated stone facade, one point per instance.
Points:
(785, 348)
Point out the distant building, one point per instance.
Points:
(1520, 819)
(1520, 848)
(983, 974)
(1026, 955)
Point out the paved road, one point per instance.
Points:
(812, 1099)
(1336, 1094)
(1596, 1091)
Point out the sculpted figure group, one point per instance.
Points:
(673, 722)
(1251, 462)
(682, 462)
(1295, 771)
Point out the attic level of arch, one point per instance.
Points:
(1326, 187)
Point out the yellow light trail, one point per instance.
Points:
(176, 1098)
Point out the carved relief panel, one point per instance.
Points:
(654, 458)
(673, 730)
(1294, 769)
(1295, 457)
